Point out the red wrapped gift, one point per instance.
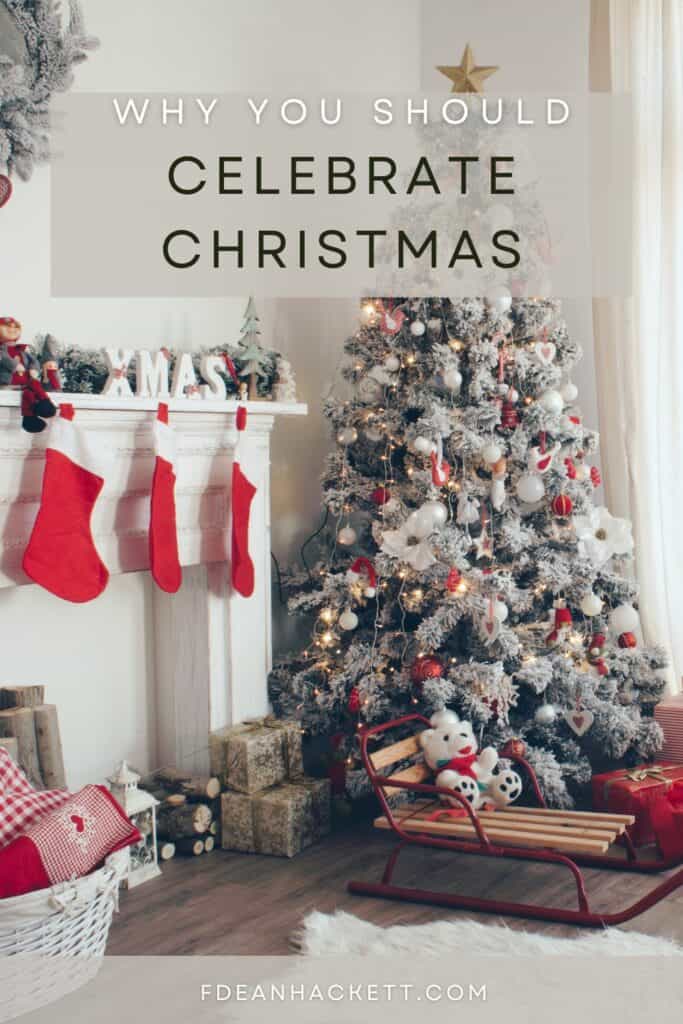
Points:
(636, 791)
(667, 819)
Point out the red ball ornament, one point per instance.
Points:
(353, 703)
(571, 469)
(601, 667)
(627, 640)
(514, 748)
(596, 479)
(428, 667)
(562, 506)
(380, 496)
(453, 581)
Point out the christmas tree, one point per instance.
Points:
(255, 361)
(468, 565)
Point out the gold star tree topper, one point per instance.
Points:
(467, 76)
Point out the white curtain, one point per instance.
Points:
(639, 343)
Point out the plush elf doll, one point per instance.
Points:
(19, 368)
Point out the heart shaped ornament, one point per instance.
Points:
(5, 189)
(490, 628)
(545, 352)
(579, 721)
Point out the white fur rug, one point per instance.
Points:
(340, 933)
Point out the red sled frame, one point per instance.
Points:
(484, 847)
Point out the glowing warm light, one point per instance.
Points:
(327, 637)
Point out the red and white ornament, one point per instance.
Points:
(391, 321)
(562, 506)
(425, 667)
(364, 566)
(441, 471)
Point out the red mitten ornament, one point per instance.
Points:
(163, 536)
(61, 555)
(243, 492)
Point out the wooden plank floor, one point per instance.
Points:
(223, 903)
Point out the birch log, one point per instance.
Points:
(49, 746)
(21, 696)
(18, 722)
(12, 747)
(182, 822)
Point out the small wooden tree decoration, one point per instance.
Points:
(251, 355)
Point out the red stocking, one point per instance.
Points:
(61, 555)
(243, 492)
(163, 536)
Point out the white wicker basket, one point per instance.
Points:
(52, 941)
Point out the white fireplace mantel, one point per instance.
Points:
(212, 646)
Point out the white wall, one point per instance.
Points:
(96, 659)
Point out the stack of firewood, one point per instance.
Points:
(188, 814)
(29, 730)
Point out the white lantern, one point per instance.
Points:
(347, 536)
(491, 453)
(624, 619)
(140, 806)
(591, 604)
(552, 401)
(530, 488)
(348, 620)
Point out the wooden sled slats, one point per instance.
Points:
(416, 773)
(536, 828)
(396, 752)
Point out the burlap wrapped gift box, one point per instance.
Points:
(281, 821)
(257, 755)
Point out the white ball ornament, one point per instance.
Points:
(491, 453)
(552, 401)
(624, 619)
(545, 714)
(392, 363)
(348, 620)
(347, 536)
(452, 380)
(417, 328)
(370, 592)
(591, 604)
(347, 436)
(530, 488)
(570, 391)
(420, 523)
(423, 445)
(500, 610)
(437, 511)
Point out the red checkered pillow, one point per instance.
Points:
(67, 842)
(21, 805)
(11, 776)
(18, 811)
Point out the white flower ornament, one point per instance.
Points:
(601, 535)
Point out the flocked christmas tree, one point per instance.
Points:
(468, 565)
